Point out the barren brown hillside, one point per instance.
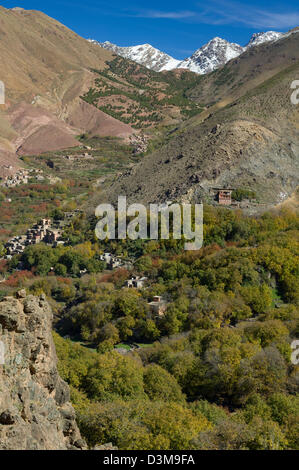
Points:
(38, 54)
(46, 68)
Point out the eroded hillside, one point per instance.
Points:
(46, 68)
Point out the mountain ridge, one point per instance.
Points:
(246, 138)
(206, 59)
(142, 54)
(181, 111)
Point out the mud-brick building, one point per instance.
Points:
(52, 236)
(224, 196)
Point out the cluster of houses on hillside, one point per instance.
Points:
(22, 176)
(43, 231)
(114, 262)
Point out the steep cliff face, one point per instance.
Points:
(35, 411)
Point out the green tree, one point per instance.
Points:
(161, 385)
(114, 376)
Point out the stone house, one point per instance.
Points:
(111, 260)
(136, 282)
(158, 306)
(52, 236)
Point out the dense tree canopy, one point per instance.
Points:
(214, 371)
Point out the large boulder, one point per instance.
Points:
(35, 412)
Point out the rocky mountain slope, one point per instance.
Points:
(35, 409)
(46, 68)
(211, 56)
(206, 59)
(248, 138)
(261, 38)
(245, 72)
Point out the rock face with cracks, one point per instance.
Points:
(35, 408)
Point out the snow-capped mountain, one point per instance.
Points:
(218, 52)
(211, 56)
(260, 38)
(144, 54)
(208, 58)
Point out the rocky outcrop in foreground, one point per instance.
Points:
(35, 409)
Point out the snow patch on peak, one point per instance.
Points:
(261, 38)
(212, 55)
(144, 54)
(208, 58)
